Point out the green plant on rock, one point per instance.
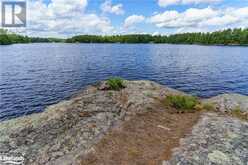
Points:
(182, 103)
(199, 107)
(116, 83)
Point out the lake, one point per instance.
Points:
(33, 76)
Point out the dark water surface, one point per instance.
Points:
(33, 76)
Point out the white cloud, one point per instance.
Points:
(165, 3)
(155, 33)
(242, 12)
(199, 1)
(220, 21)
(64, 6)
(164, 17)
(107, 7)
(194, 14)
(70, 17)
(201, 18)
(192, 29)
(64, 18)
(132, 20)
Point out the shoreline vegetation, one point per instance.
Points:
(229, 37)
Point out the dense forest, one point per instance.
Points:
(225, 37)
(11, 38)
(236, 36)
(7, 38)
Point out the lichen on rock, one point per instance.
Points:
(218, 157)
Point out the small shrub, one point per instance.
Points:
(115, 83)
(181, 102)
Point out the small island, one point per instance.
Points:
(128, 122)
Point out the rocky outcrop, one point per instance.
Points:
(214, 140)
(68, 129)
(229, 102)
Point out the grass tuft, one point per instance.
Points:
(116, 83)
(182, 103)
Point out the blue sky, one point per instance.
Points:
(65, 18)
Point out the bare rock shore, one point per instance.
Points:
(230, 102)
(66, 131)
(215, 140)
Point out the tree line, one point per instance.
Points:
(7, 38)
(235, 36)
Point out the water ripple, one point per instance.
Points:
(33, 76)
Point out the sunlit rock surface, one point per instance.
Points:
(230, 102)
(67, 130)
(214, 140)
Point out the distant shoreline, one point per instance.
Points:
(229, 37)
(225, 45)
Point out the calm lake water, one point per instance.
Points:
(33, 76)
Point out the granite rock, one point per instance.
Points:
(229, 102)
(67, 130)
(215, 140)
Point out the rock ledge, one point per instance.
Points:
(67, 130)
(64, 131)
